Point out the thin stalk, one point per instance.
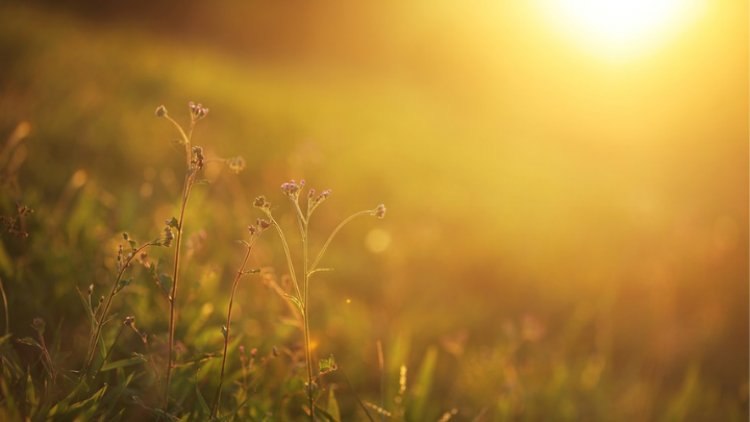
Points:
(306, 314)
(175, 276)
(236, 281)
(108, 303)
(288, 254)
(5, 307)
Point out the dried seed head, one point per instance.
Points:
(236, 164)
(168, 236)
(161, 111)
(379, 211)
(129, 320)
(261, 202)
(263, 224)
(198, 158)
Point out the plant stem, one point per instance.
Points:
(236, 281)
(315, 263)
(175, 275)
(288, 254)
(108, 303)
(5, 307)
(305, 316)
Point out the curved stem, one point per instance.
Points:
(333, 234)
(288, 254)
(236, 281)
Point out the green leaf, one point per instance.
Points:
(423, 386)
(136, 359)
(93, 399)
(86, 305)
(124, 282)
(327, 365)
(332, 407)
(202, 402)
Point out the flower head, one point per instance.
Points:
(262, 203)
(379, 211)
(161, 111)
(197, 111)
(236, 164)
(292, 189)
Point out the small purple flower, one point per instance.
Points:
(292, 189)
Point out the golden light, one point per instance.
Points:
(617, 27)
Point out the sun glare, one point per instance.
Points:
(621, 26)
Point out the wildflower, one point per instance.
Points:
(292, 189)
(379, 211)
(236, 164)
(197, 111)
(161, 111)
(261, 202)
(263, 224)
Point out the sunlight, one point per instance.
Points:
(620, 26)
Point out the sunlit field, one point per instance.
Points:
(386, 211)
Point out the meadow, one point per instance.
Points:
(564, 239)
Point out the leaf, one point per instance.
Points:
(324, 413)
(29, 342)
(5, 338)
(30, 391)
(327, 365)
(86, 305)
(423, 386)
(296, 302)
(136, 359)
(93, 399)
(124, 282)
(332, 407)
(202, 402)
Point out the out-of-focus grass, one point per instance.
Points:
(550, 278)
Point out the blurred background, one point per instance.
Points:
(566, 183)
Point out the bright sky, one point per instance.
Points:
(617, 28)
